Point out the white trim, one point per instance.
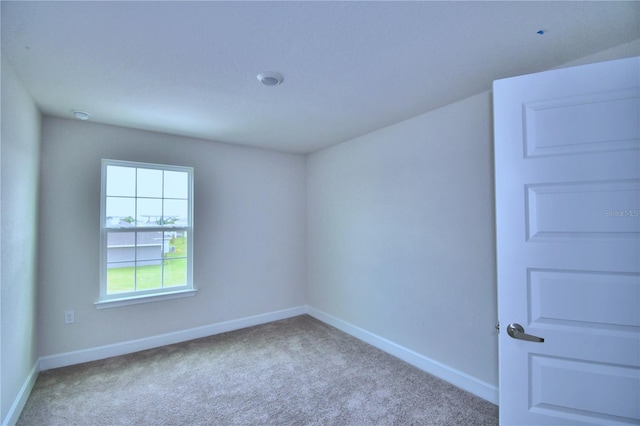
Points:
(457, 378)
(16, 409)
(107, 351)
(143, 298)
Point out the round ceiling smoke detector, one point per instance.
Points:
(270, 78)
(81, 115)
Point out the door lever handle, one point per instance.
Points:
(516, 331)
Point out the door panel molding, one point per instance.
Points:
(548, 130)
(555, 381)
(583, 210)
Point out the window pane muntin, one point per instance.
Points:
(121, 181)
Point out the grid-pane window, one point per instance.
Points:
(146, 229)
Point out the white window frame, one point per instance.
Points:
(106, 300)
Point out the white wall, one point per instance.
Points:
(401, 235)
(400, 231)
(249, 239)
(20, 155)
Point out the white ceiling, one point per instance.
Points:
(189, 68)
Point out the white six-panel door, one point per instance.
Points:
(567, 170)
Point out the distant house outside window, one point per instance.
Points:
(146, 233)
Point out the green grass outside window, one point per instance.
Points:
(150, 277)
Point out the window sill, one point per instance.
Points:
(134, 300)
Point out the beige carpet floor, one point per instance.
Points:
(298, 371)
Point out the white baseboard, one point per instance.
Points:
(107, 351)
(457, 378)
(21, 398)
(453, 376)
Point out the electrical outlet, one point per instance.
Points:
(69, 317)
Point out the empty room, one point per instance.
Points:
(318, 212)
